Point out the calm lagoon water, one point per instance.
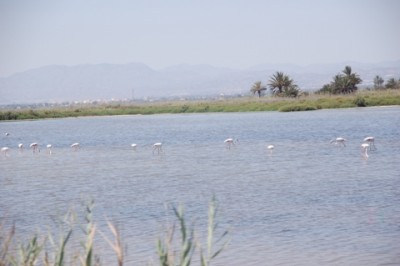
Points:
(306, 203)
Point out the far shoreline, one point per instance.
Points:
(365, 98)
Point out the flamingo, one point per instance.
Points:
(5, 150)
(75, 146)
(21, 147)
(364, 148)
(339, 141)
(371, 141)
(49, 148)
(133, 145)
(270, 148)
(34, 146)
(229, 142)
(157, 146)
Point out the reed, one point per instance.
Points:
(88, 257)
(5, 243)
(27, 254)
(59, 251)
(211, 242)
(35, 250)
(117, 244)
(187, 245)
(189, 242)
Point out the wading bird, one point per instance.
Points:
(5, 150)
(133, 145)
(229, 142)
(21, 147)
(371, 141)
(157, 146)
(75, 146)
(270, 148)
(339, 141)
(364, 149)
(34, 146)
(49, 148)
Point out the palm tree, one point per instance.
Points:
(257, 88)
(378, 82)
(340, 84)
(281, 84)
(291, 91)
(392, 83)
(345, 82)
(352, 80)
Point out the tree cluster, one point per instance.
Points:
(280, 84)
(391, 83)
(343, 83)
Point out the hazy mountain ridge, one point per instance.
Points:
(136, 80)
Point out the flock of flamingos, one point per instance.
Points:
(369, 144)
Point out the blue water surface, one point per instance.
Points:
(306, 202)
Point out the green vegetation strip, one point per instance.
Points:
(242, 104)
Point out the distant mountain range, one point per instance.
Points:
(57, 83)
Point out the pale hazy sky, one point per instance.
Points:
(229, 33)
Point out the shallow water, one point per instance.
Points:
(307, 203)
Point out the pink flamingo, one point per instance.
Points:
(371, 141)
(35, 147)
(157, 146)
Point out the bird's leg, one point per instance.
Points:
(373, 145)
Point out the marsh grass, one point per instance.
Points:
(116, 245)
(60, 251)
(178, 247)
(5, 243)
(211, 241)
(174, 248)
(241, 104)
(89, 231)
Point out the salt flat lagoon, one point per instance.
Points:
(308, 202)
